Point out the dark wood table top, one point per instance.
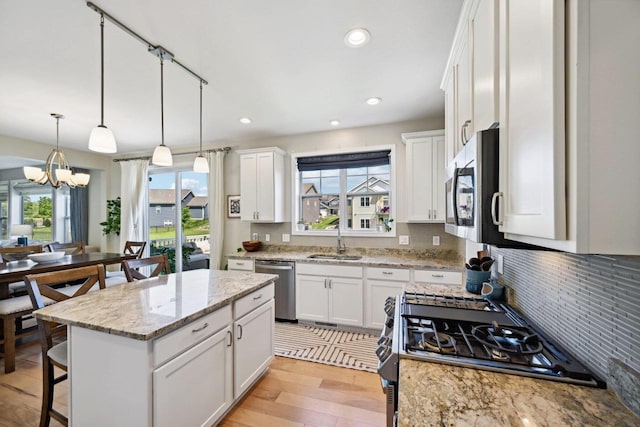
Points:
(15, 271)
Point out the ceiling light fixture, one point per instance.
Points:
(101, 138)
(374, 101)
(357, 37)
(200, 164)
(334, 122)
(162, 153)
(245, 120)
(57, 171)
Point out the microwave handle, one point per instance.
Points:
(494, 203)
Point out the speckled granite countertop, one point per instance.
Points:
(426, 259)
(149, 308)
(433, 394)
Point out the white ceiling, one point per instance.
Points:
(281, 62)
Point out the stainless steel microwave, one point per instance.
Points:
(472, 179)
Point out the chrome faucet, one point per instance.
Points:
(341, 248)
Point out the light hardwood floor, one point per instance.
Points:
(293, 393)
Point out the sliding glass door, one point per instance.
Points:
(179, 212)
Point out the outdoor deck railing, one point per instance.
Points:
(171, 242)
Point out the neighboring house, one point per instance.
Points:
(162, 206)
(365, 210)
(199, 207)
(310, 203)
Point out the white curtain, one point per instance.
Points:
(217, 208)
(134, 211)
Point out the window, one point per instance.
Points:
(349, 190)
(158, 209)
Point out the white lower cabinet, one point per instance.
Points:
(253, 347)
(335, 298)
(382, 283)
(195, 388)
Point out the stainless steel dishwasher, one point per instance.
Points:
(285, 286)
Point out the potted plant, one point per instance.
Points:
(301, 225)
(112, 224)
(384, 220)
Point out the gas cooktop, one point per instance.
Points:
(478, 333)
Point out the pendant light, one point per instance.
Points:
(101, 139)
(162, 153)
(200, 164)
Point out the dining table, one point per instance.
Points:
(14, 271)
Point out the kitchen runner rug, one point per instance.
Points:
(329, 346)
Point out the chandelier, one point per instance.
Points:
(57, 171)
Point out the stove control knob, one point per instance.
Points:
(384, 340)
(389, 322)
(383, 352)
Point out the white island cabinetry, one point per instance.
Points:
(179, 349)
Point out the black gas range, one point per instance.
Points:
(470, 332)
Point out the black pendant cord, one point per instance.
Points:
(162, 99)
(102, 70)
(200, 117)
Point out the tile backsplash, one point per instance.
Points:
(590, 304)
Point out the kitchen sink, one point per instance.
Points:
(338, 257)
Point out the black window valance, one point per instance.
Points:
(343, 161)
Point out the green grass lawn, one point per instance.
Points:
(326, 222)
(193, 228)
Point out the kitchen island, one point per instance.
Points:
(178, 349)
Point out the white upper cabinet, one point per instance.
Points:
(425, 176)
(262, 185)
(532, 118)
(483, 34)
(562, 94)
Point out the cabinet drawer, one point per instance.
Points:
(438, 276)
(329, 270)
(253, 300)
(168, 346)
(241, 264)
(393, 274)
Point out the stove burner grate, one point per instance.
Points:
(438, 341)
(507, 339)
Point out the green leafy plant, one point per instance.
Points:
(112, 224)
(171, 255)
(385, 221)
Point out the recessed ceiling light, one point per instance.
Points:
(374, 101)
(245, 120)
(357, 37)
(334, 122)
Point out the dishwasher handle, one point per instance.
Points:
(274, 267)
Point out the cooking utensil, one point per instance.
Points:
(486, 266)
(474, 261)
(466, 264)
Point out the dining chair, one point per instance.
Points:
(132, 267)
(74, 248)
(134, 248)
(130, 248)
(41, 291)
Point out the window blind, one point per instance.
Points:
(343, 161)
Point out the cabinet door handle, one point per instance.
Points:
(437, 275)
(239, 263)
(239, 332)
(258, 297)
(388, 273)
(494, 203)
(463, 132)
(230, 336)
(329, 283)
(429, 214)
(434, 214)
(201, 328)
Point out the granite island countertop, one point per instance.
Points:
(149, 308)
(398, 259)
(434, 394)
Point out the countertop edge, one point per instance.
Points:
(160, 331)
